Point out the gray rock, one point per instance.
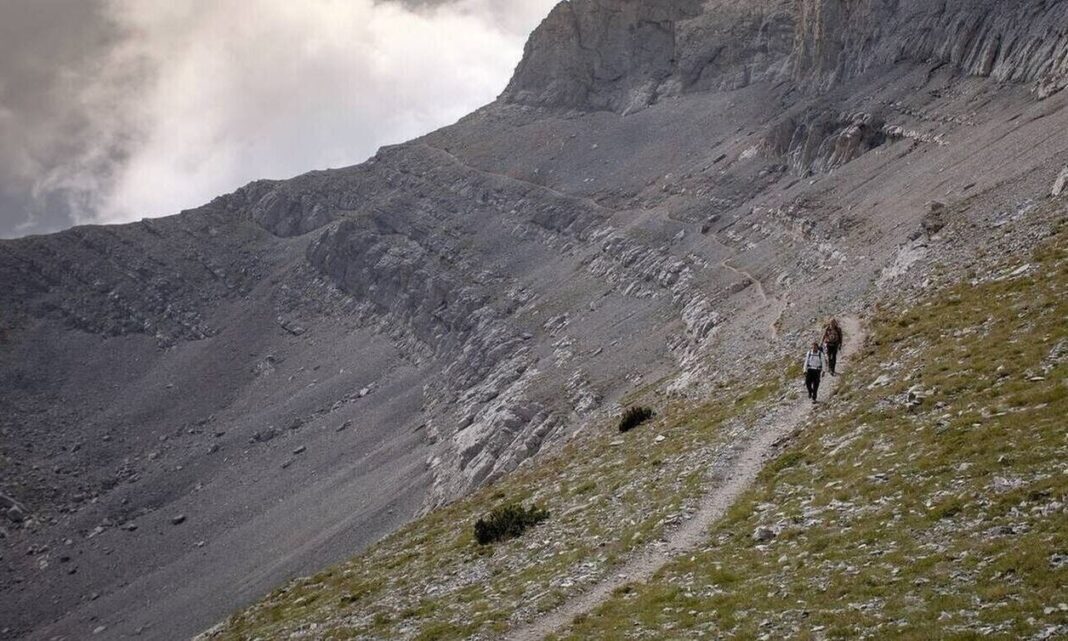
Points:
(178, 519)
(1061, 184)
(264, 436)
(624, 56)
(763, 534)
(15, 514)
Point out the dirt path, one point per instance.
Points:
(780, 424)
(548, 190)
(746, 275)
(766, 300)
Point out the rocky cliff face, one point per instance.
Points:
(665, 191)
(1024, 42)
(622, 56)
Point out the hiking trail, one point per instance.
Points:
(781, 302)
(770, 432)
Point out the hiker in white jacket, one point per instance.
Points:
(813, 370)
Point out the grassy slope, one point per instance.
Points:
(608, 494)
(943, 521)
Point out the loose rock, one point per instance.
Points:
(1061, 184)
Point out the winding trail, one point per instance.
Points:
(772, 430)
(457, 161)
(765, 299)
(746, 275)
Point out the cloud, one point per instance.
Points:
(180, 102)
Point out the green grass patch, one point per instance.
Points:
(942, 520)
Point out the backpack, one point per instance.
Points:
(833, 335)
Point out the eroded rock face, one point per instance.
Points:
(820, 141)
(601, 54)
(1061, 184)
(1023, 41)
(623, 56)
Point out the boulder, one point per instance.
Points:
(264, 436)
(763, 534)
(11, 508)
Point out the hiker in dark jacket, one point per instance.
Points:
(832, 341)
(813, 370)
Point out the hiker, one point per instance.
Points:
(813, 370)
(832, 341)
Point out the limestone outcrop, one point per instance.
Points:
(623, 56)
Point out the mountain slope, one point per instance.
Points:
(665, 191)
(932, 499)
(927, 495)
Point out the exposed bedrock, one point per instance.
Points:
(1022, 41)
(437, 285)
(820, 141)
(623, 56)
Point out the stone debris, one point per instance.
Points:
(763, 534)
(1060, 185)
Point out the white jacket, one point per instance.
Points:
(814, 360)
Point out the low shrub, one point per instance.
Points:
(633, 417)
(508, 522)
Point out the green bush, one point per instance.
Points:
(508, 522)
(633, 417)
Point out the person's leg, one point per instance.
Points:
(832, 357)
(815, 384)
(811, 376)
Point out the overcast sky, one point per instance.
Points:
(116, 110)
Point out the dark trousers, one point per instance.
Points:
(812, 382)
(832, 356)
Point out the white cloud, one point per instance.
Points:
(198, 98)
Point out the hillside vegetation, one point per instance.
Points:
(929, 503)
(608, 494)
(930, 495)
